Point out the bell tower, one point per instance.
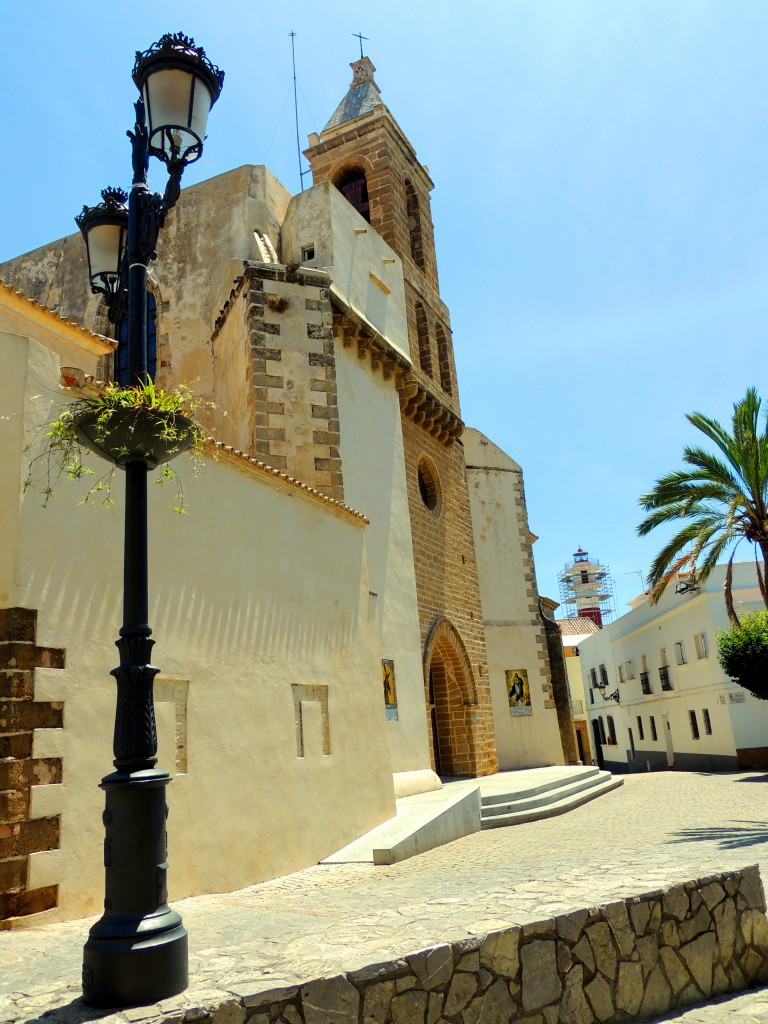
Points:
(365, 154)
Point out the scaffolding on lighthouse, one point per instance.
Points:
(586, 590)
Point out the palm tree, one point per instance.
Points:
(722, 498)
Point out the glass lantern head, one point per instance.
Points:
(105, 230)
(178, 85)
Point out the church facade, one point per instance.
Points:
(351, 602)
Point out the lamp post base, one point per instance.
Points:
(137, 952)
(135, 971)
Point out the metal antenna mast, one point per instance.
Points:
(296, 110)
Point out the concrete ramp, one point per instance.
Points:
(422, 822)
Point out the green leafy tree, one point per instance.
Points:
(743, 653)
(721, 498)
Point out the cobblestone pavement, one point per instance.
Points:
(655, 830)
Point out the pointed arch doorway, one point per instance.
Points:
(451, 699)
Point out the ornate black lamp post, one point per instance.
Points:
(137, 952)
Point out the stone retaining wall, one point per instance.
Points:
(624, 961)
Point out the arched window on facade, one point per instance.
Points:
(422, 333)
(414, 224)
(443, 359)
(121, 334)
(352, 184)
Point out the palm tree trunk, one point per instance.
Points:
(761, 570)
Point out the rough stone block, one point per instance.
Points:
(677, 975)
(540, 981)
(640, 914)
(670, 933)
(751, 890)
(435, 1007)
(495, 1006)
(599, 935)
(409, 1008)
(724, 916)
(582, 952)
(712, 894)
(618, 921)
(676, 903)
(600, 996)
(750, 964)
(657, 998)
(433, 967)
(574, 1008)
(500, 952)
(629, 988)
(693, 926)
(463, 989)
(330, 1001)
(376, 1002)
(698, 958)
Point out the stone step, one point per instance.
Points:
(489, 799)
(526, 800)
(555, 807)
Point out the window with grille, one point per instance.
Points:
(680, 653)
(707, 722)
(694, 724)
(611, 731)
(640, 732)
(700, 642)
(654, 736)
(353, 186)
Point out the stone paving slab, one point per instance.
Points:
(656, 830)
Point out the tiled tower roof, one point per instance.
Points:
(362, 97)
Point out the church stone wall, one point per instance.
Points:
(446, 578)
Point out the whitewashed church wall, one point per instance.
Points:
(374, 483)
(510, 613)
(259, 604)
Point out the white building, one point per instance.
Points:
(656, 695)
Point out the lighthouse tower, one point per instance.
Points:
(586, 589)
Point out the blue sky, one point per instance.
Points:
(601, 201)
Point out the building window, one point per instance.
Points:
(443, 360)
(631, 744)
(645, 682)
(122, 376)
(629, 669)
(621, 673)
(611, 732)
(353, 186)
(307, 253)
(666, 682)
(640, 732)
(694, 724)
(591, 695)
(414, 224)
(429, 484)
(653, 728)
(680, 653)
(603, 676)
(707, 722)
(593, 677)
(601, 727)
(700, 642)
(422, 335)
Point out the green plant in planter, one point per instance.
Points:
(743, 653)
(119, 424)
